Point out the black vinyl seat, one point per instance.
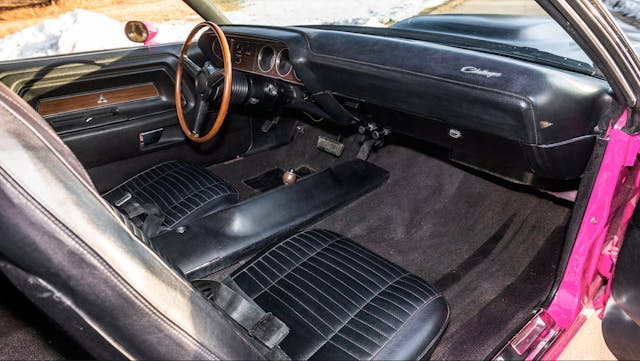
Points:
(182, 191)
(343, 302)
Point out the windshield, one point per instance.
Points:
(516, 28)
(377, 13)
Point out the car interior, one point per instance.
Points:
(396, 193)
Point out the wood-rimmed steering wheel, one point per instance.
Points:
(207, 83)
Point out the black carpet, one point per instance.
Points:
(507, 310)
(491, 249)
(27, 334)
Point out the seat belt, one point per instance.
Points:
(261, 325)
(146, 216)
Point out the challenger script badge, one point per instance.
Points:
(474, 70)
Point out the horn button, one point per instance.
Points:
(202, 84)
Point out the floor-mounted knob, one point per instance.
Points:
(289, 177)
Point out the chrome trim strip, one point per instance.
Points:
(593, 40)
(614, 41)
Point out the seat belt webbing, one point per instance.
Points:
(261, 325)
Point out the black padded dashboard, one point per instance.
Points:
(527, 122)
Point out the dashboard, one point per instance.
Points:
(520, 120)
(267, 58)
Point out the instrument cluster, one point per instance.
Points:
(259, 56)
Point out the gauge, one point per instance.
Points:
(283, 63)
(266, 58)
(216, 49)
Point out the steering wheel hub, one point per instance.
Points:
(201, 84)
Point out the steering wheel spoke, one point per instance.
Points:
(217, 77)
(202, 108)
(207, 84)
(190, 66)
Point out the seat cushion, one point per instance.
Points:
(341, 301)
(183, 191)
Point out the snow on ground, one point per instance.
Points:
(627, 8)
(352, 12)
(78, 31)
(630, 11)
(82, 30)
(70, 32)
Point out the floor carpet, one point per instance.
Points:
(27, 334)
(490, 248)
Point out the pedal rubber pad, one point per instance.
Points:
(330, 146)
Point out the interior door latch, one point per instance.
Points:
(150, 137)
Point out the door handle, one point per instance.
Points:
(150, 137)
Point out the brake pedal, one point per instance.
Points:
(365, 149)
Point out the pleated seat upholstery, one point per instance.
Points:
(183, 191)
(342, 302)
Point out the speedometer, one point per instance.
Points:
(283, 63)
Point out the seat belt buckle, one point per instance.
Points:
(124, 199)
(129, 206)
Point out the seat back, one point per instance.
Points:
(81, 263)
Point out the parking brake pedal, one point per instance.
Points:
(270, 123)
(330, 146)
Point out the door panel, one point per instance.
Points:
(116, 110)
(621, 322)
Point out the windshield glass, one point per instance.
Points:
(516, 28)
(365, 12)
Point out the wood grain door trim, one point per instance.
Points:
(96, 99)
